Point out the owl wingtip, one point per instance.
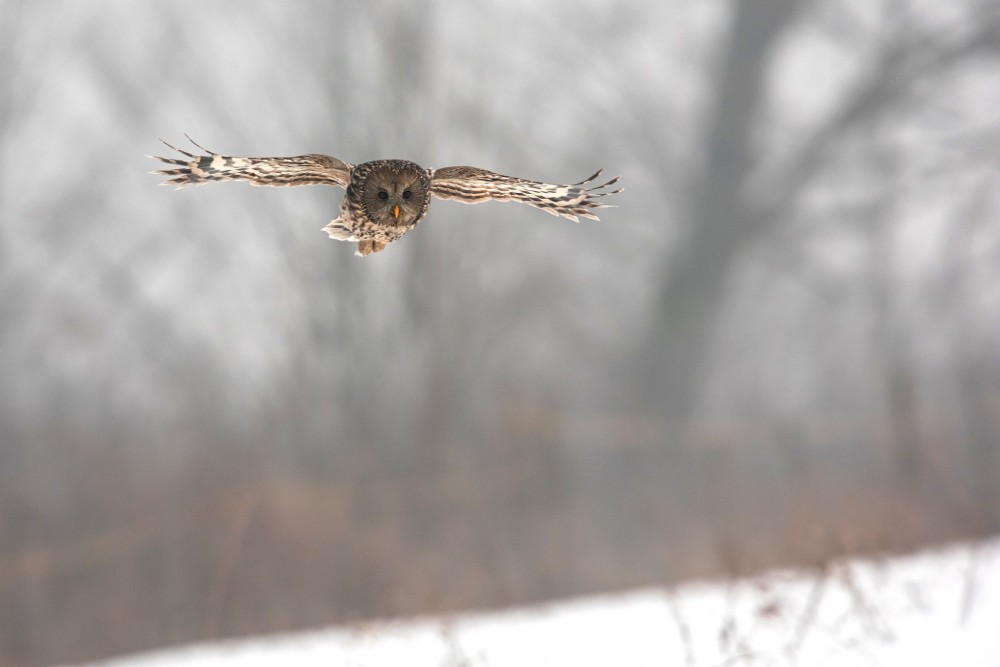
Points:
(591, 177)
(200, 147)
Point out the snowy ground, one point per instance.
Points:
(935, 608)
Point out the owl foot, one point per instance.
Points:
(366, 248)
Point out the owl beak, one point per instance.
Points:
(395, 211)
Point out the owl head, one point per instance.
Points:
(395, 192)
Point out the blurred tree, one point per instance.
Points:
(746, 189)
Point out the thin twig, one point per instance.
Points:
(227, 565)
(683, 629)
(969, 588)
(809, 613)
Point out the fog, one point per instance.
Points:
(782, 345)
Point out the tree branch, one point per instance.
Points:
(903, 63)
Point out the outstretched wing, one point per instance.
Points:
(298, 170)
(472, 185)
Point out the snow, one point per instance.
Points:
(939, 607)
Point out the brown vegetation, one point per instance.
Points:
(251, 550)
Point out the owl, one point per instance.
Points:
(385, 198)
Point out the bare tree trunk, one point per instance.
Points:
(721, 218)
(983, 446)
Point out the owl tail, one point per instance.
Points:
(339, 230)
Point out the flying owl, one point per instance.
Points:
(385, 198)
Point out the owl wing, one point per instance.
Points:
(472, 185)
(298, 170)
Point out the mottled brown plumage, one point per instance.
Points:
(386, 198)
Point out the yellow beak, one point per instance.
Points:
(395, 211)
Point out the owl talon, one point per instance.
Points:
(366, 248)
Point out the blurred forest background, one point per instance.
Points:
(782, 346)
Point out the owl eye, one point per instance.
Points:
(382, 194)
(407, 194)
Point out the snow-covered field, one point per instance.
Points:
(935, 608)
